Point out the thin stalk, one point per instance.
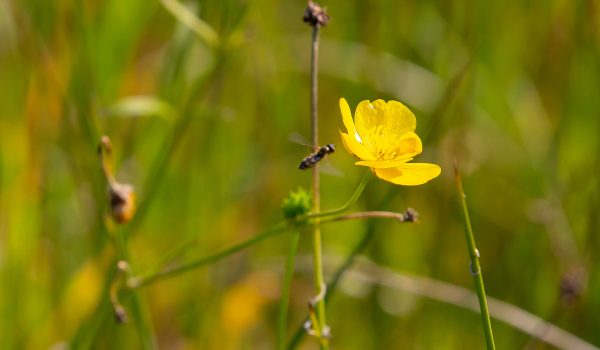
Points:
(474, 264)
(361, 186)
(319, 280)
(337, 275)
(401, 217)
(285, 291)
(362, 244)
(138, 308)
(156, 276)
(138, 282)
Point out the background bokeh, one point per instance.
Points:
(511, 89)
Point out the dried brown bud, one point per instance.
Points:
(572, 284)
(411, 215)
(122, 202)
(315, 15)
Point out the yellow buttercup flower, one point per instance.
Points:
(382, 136)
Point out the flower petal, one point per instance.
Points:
(409, 146)
(369, 115)
(409, 174)
(355, 148)
(347, 117)
(381, 164)
(400, 118)
(395, 117)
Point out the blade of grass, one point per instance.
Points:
(474, 266)
(204, 31)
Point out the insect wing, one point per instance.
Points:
(325, 165)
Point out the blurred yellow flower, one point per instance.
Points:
(382, 136)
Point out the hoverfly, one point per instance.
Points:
(316, 157)
(312, 159)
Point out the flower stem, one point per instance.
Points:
(361, 186)
(285, 290)
(333, 282)
(138, 282)
(316, 194)
(400, 217)
(474, 264)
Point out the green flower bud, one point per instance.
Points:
(296, 204)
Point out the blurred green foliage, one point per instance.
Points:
(510, 89)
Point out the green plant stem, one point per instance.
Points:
(361, 186)
(154, 275)
(334, 281)
(474, 264)
(138, 308)
(319, 281)
(138, 282)
(401, 217)
(285, 290)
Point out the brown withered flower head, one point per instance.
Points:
(315, 15)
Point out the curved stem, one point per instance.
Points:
(138, 282)
(361, 186)
(152, 277)
(285, 291)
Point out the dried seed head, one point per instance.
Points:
(572, 284)
(315, 15)
(122, 202)
(411, 215)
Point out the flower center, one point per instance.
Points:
(381, 144)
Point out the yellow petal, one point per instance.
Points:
(409, 145)
(369, 115)
(347, 117)
(400, 118)
(409, 174)
(377, 164)
(395, 117)
(355, 148)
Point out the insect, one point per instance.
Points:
(312, 159)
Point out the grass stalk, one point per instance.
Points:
(285, 290)
(474, 265)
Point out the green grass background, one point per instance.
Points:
(509, 88)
